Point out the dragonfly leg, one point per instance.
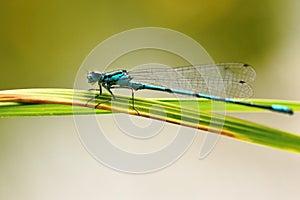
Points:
(100, 89)
(107, 87)
(132, 97)
(98, 95)
(102, 103)
(93, 89)
(112, 94)
(94, 97)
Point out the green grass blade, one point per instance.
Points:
(48, 102)
(205, 105)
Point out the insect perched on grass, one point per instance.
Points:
(202, 81)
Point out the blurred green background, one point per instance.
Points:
(43, 43)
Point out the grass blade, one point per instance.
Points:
(49, 102)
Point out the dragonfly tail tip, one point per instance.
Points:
(283, 109)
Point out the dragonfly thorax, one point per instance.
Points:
(116, 77)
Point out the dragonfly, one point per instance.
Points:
(224, 82)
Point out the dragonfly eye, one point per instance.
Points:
(94, 77)
(90, 77)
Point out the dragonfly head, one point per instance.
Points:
(94, 77)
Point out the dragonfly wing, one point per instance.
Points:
(225, 79)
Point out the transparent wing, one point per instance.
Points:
(225, 79)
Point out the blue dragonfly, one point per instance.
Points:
(218, 82)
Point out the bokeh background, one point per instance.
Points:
(43, 43)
